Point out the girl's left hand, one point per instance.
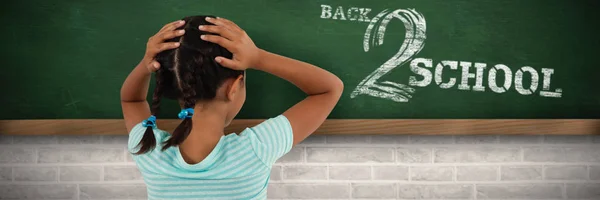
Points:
(233, 38)
(157, 44)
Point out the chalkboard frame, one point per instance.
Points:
(331, 126)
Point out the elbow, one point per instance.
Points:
(121, 94)
(125, 97)
(337, 87)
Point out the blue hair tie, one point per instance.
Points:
(150, 122)
(186, 113)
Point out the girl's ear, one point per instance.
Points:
(234, 87)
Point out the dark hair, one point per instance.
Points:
(189, 73)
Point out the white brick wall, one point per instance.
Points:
(329, 167)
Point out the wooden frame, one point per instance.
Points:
(332, 126)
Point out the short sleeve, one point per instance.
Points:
(272, 139)
(135, 135)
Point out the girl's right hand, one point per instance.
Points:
(157, 44)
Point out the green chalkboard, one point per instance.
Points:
(409, 59)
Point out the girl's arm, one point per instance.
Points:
(133, 96)
(323, 88)
(135, 88)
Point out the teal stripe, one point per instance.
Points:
(210, 187)
(288, 134)
(160, 183)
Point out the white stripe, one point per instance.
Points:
(273, 151)
(280, 143)
(262, 148)
(161, 182)
(210, 193)
(225, 170)
(214, 187)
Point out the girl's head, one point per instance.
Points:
(190, 75)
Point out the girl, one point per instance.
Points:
(201, 62)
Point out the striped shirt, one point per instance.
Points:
(237, 168)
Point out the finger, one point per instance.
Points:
(222, 31)
(230, 23)
(168, 45)
(227, 62)
(225, 43)
(171, 34)
(154, 66)
(172, 26)
(223, 24)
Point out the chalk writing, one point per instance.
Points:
(421, 67)
(351, 14)
(415, 25)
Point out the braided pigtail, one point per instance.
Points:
(148, 141)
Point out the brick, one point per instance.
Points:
(35, 139)
(544, 154)
(349, 172)
(5, 174)
(520, 191)
(314, 139)
(115, 139)
(566, 139)
(346, 155)
(296, 155)
(595, 172)
(521, 173)
(520, 139)
(560, 154)
(122, 173)
(422, 173)
(6, 139)
(275, 173)
(431, 139)
(308, 191)
(446, 191)
(596, 139)
(112, 191)
(80, 173)
(305, 172)
(17, 155)
(92, 155)
(347, 139)
(413, 155)
(79, 139)
(583, 191)
(565, 172)
(390, 173)
(50, 191)
(583, 154)
(476, 154)
(80, 155)
(389, 139)
(477, 173)
(49, 155)
(35, 173)
(128, 156)
(374, 191)
(476, 139)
